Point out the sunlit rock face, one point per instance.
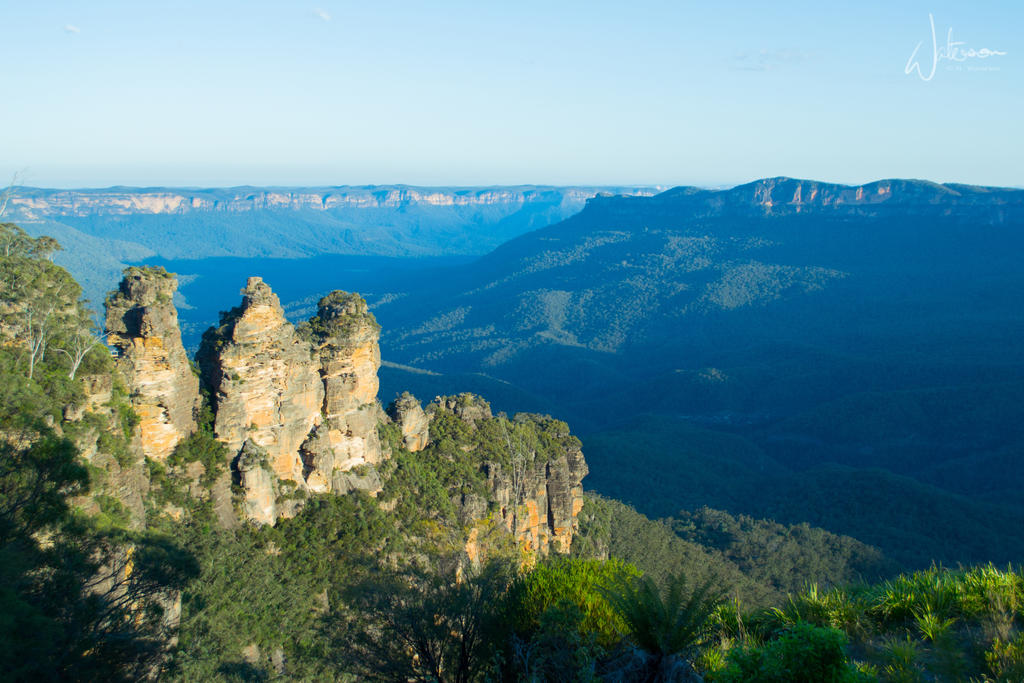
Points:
(305, 397)
(264, 380)
(345, 337)
(408, 414)
(142, 328)
(538, 495)
(547, 518)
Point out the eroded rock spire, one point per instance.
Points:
(142, 328)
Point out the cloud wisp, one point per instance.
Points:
(768, 59)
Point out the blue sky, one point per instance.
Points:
(489, 92)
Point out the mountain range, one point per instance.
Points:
(721, 347)
(801, 388)
(103, 229)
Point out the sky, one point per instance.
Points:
(486, 92)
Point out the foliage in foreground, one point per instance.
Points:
(77, 602)
(937, 624)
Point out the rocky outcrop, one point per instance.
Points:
(264, 381)
(549, 495)
(306, 397)
(142, 328)
(259, 485)
(97, 428)
(408, 414)
(345, 337)
(298, 412)
(467, 407)
(537, 488)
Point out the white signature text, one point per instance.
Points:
(953, 51)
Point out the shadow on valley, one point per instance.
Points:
(786, 349)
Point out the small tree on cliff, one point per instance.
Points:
(83, 338)
(519, 461)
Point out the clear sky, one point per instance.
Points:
(490, 92)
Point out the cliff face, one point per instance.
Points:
(297, 409)
(98, 431)
(537, 489)
(550, 498)
(263, 379)
(345, 338)
(142, 327)
(39, 203)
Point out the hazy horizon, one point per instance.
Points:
(660, 187)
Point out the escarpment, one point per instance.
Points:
(533, 469)
(142, 328)
(297, 412)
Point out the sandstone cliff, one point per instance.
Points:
(36, 203)
(305, 400)
(142, 327)
(536, 484)
(264, 381)
(345, 337)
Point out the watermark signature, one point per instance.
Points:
(953, 51)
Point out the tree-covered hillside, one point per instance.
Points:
(785, 349)
(118, 566)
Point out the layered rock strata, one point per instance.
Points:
(543, 516)
(264, 381)
(306, 397)
(345, 338)
(142, 328)
(539, 495)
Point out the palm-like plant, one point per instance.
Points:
(667, 627)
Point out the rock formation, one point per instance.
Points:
(259, 485)
(408, 414)
(142, 327)
(264, 381)
(306, 398)
(102, 442)
(545, 518)
(345, 337)
(539, 494)
(298, 412)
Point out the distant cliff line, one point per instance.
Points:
(39, 203)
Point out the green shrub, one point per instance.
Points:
(803, 653)
(1005, 660)
(561, 583)
(201, 446)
